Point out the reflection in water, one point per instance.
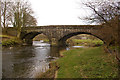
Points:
(26, 61)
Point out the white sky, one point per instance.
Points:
(58, 12)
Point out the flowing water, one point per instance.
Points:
(28, 61)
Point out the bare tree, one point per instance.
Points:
(25, 11)
(17, 13)
(29, 20)
(103, 11)
(107, 14)
(21, 15)
(5, 8)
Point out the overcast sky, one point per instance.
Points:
(59, 12)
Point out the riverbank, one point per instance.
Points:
(84, 63)
(8, 41)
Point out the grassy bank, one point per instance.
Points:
(8, 41)
(84, 63)
(87, 63)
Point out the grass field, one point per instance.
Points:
(87, 63)
(86, 42)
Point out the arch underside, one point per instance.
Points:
(31, 35)
(28, 37)
(64, 38)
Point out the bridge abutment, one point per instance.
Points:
(53, 42)
(56, 42)
(62, 43)
(28, 41)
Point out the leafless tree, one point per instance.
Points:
(17, 13)
(29, 20)
(5, 8)
(24, 10)
(103, 11)
(106, 13)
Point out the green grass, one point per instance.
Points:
(9, 40)
(87, 63)
(86, 42)
(6, 36)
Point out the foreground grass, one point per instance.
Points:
(87, 63)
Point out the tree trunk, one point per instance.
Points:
(119, 44)
(0, 21)
(0, 14)
(4, 16)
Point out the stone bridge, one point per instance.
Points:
(58, 34)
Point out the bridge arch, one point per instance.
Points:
(28, 37)
(62, 40)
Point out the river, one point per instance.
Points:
(28, 61)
